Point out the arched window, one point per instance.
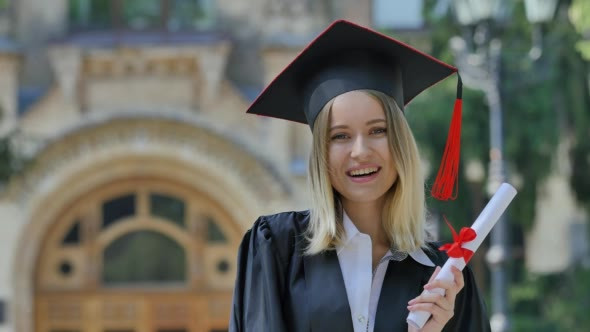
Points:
(143, 257)
(72, 237)
(117, 209)
(169, 208)
(137, 252)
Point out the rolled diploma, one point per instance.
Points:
(482, 227)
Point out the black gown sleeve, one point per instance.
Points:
(259, 283)
(470, 309)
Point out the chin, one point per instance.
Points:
(363, 197)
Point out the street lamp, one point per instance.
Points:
(480, 69)
(539, 12)
(470, 12)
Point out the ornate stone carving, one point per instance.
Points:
(144, 136)
(212, 64)
(296, 17)
(66, 62)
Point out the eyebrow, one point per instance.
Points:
(370, 122)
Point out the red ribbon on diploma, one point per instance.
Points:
(455, 249)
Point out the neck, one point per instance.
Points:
(366, 216)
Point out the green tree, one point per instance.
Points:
(578, 95)
(580, 17)
(545, 103)
(6, 155)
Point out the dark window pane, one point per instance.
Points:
(214, 233)
(167, 207)
(73, 235)
(117, 208)
(191, 15)
(144, 257)
(142, 15)
(89, 14)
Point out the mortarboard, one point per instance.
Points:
(347, 57)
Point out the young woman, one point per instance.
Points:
(359, 259)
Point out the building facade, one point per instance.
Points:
(144, 172)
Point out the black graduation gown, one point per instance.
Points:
(279, 289)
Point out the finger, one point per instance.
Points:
(438, 299)
(439, 314)
(457, 283)
(449, 286)
(444, 284)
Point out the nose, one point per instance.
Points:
(359, 150)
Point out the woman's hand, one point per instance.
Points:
(441, 307)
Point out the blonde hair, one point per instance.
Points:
(403, 216)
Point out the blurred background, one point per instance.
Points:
(129, 171)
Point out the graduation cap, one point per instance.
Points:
(347, 57)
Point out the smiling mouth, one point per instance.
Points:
(364, 172)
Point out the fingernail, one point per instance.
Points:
(411, 301)
(427, 286)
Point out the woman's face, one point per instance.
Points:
(359, 159)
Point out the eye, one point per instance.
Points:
(338, 137)
(378, 131)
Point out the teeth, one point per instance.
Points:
(363, 171)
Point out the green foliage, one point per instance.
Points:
(5, 160)
(579, 10)
(89, 14)
(11, 161)
(544, 101)
(580, 17)
(530, 114)
(556, 302)
(583, 47)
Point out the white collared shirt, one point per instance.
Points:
(363, 285)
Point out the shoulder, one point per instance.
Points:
(281, 232)
(284, 225)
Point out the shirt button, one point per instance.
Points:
(361, 319)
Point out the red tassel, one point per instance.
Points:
(446, 185)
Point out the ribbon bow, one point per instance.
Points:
(455, 249)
